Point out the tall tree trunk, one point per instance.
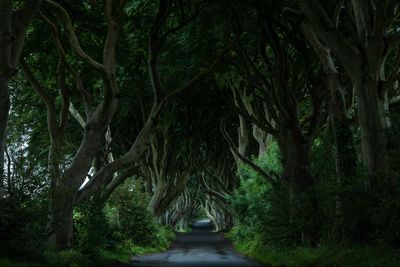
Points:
(5, 61)
(60, 232)
(362, 60)
(346, 157)
(66, 187)
(55, 158)
(295, 172)
(295, 159)
(373, 127)
(60, 227)
(4, 110)
(13, 27)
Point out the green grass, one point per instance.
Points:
(327, 256)
(8, 263)
(127, 249)
(121, 254)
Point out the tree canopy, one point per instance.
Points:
(277, 119)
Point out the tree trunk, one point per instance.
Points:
(262, 138)
(346, 157)
(4, 110)
(295, 159)
(295, 172)
(55, 158)
(346, 169)
(60, 232)
(156, 199)
(243, 139)
(373, 127)
(65, 187)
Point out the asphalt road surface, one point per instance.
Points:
(199, 248)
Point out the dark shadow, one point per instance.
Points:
(203, 225)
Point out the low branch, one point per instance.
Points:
(105, 175)
(75, 113)
(119, 179)
(247, 161)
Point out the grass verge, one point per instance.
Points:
(122, 253)
(327, 256)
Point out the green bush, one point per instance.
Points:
(261, 211)
(22, 226)
(66, 258)
(135, 221)
(327, 256)
(91, 229)
(166, 236)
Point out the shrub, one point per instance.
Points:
(22, 226)
(91, 228)
(134, 219)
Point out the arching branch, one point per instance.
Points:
(247, 161)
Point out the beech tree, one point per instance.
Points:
(276, 120)
(99, 112)
(363, 52)
(272, 87)
(14, 24)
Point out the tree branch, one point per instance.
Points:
(64, 95)
(73, 40)
(235, 151)
(62, 54)
(154, 48)
(21, 20)
(348, 54)
(46, 98)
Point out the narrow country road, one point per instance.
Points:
(199, 248)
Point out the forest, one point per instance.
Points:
(124, 122)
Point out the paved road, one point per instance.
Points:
(200, 248)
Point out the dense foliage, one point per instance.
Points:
(123, 121)
(365, 233)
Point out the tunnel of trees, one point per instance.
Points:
(124, 121)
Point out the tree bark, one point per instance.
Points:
(296, 174)
(5, 65)
(373, 127)
(60, 230)
(295, 158)
(363, 63)
(4, 111)
(13, 26)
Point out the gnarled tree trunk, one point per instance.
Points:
(373, 126)
(4, 110)
(296, 174)
(363, 63)
(13, 26)
(60, 227)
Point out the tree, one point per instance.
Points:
(13, 27)
(100, 110)
(280, 89)
(363, 52)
